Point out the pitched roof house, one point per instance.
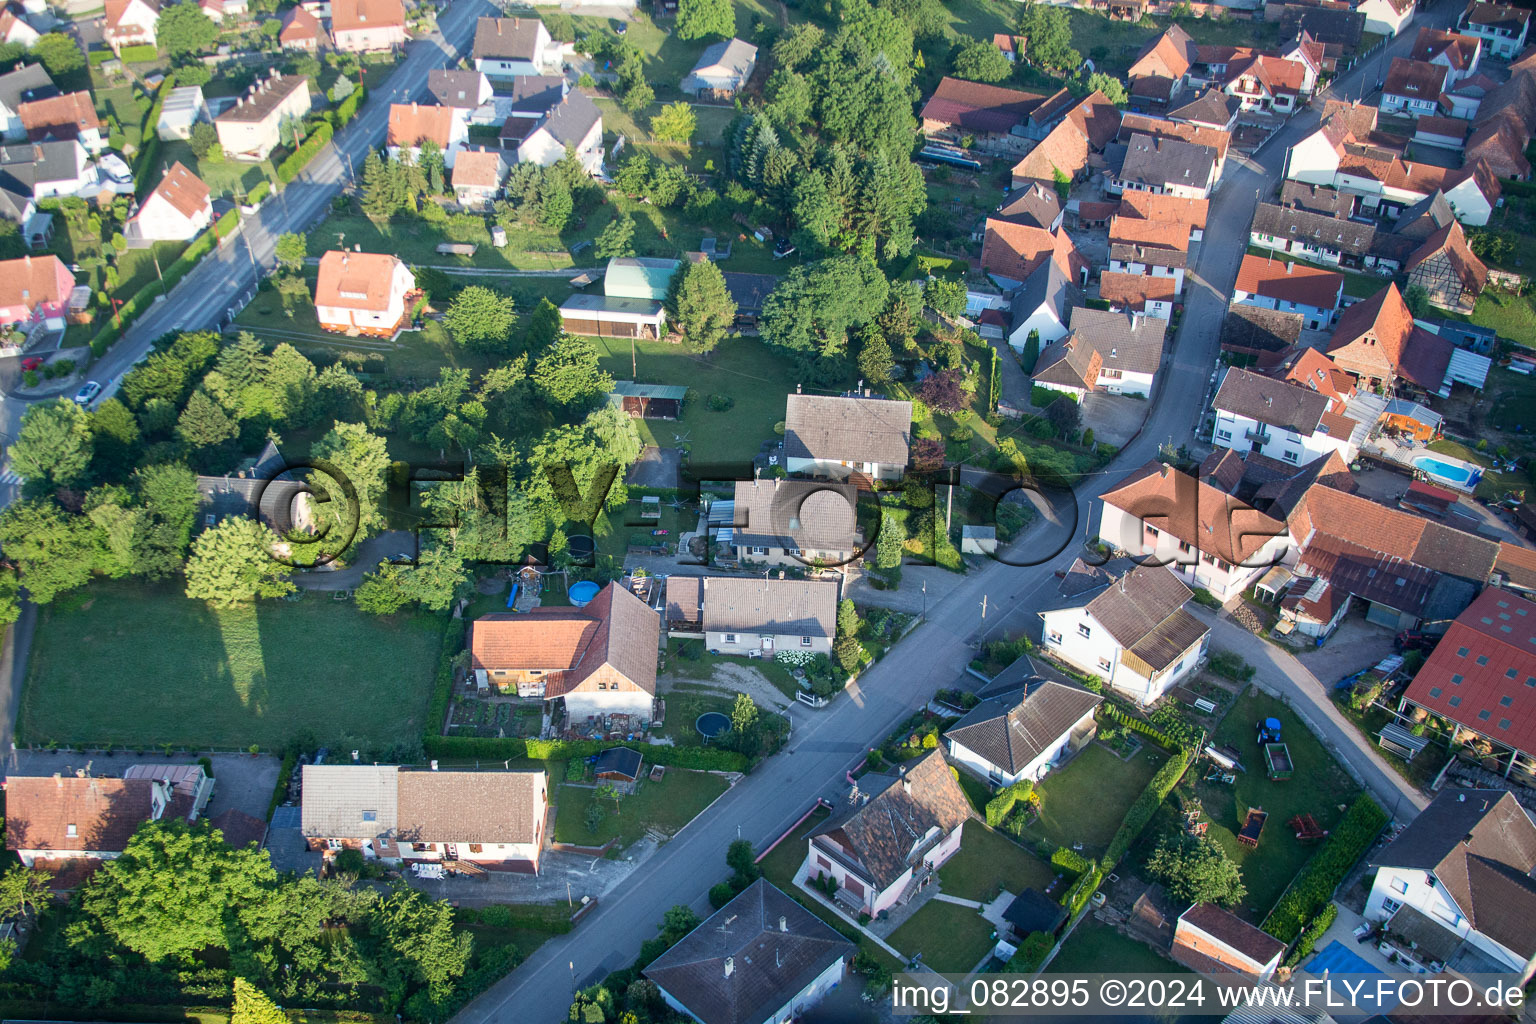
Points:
(722, 69)
(359, 26)
(1211, 109)
(508, 47)
(1132, 632)
(1160, 70)
(252, 128)
(1069, 365)
(1023, 734)
(763, 616)
(891, 834)
(1377, 342)
(1066, 150)
(1463, 867)
(1129, 344)
(478, 175)
(178, 209)
(1289, 287)
(1281, 420)
(847, 438)
(794, 522)
(1211, 940)
(488, 819)
(1500, 143)
(27, 82)
(70, 115)
(760, 959)
(960, 107)
(1413, 87)
(600, 658)
(1447, 269)
(1165, 165)
(1033, 206)
(130, 23)
(1501, 27)
(1012, 251)
(362, 293)
(1043, 303)
(574, 123)
(301, 30)
(1260, 332)
(33, 289)
(452, 87)
(413, 125)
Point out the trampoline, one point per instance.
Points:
(581, 546)
(712, 724)
(582, 593)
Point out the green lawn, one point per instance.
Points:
(952, 939)
(1319, 787)
(224, 178)
(666, 805)
(1098, 947)
(755, 377)
(1086, 801)
(989, 862)
(415, 241)
(137, 664)
(1492, 486)
(1512, 316)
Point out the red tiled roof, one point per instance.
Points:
(184, 190)
(1169, 209)
(411, 124)
(978, 107)
(1134, 291)
(1458, 49)
(1014, 251)
(1167, 56)
(355, 280)
(1501, 142)
(299, 24)
(478, 168)
(364, 14)
(63, 116)
(34, 280)
(1415, 79)
(1314, 370)
(1493, 698)
(1088, 127)
(1135, 231)
(1452, 241)
(1162, 128)
(1290, 282)
(1191, 510)
(1381, 323)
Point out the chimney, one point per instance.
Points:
(783, 923)
(1289, 267)
(797, 389)
(1166, 470)
(730, 966)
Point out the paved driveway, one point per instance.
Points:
(657, 467)
(1114, 419)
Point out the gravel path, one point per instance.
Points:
(729, 680)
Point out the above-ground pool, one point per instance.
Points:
(1458, 474)
(712, 724)
(582, 593)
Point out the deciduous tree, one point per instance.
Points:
(291, 249)
(185, 29)
(569, 375)
(362, 458)
(698, 19)
(1195, 869)
(53, 447)
(980, 61)
(674, 122)
(233, 562)
(1110, 86)
(54, 550)
(945, 296)
(59, 54)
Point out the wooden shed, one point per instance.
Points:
(649, 401)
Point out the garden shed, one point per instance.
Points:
(649, 401)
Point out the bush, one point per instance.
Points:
(720, 894)
(1311, 890)
(1206, 598)
(261, 191)
(1001, 805)
(1042, 397)
(492, 749)
(721, 403)
(300, 158)
(1147, 729)
(1313, 931)
(1031, 953)
(1146, 805)
(1070, 860)
(1230, 666)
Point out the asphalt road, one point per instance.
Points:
(825, 744)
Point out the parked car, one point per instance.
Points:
(115, 168)
(32, 362)
(87, 393)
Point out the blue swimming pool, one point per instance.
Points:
(1458, 473)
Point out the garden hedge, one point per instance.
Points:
(1311, 890)
(300, 158)
(490, 749)
(999, 807)
(1070, 860)
(226, 224)
(1146, 805)
(1313, 931)
(1147, 729)
(261, 191)
(145, 297)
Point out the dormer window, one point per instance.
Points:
(71, 831)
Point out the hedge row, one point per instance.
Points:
(1135, 724)
(490, 749)
(442, 683)
(1146, 805)
(260, 192)
(1070, 860)
(149, 146)
(99, 57)
(346, 110)
(1082, 890)
(1314, 887)
(300, 158)
(1312, 932)
(145, 297)
(1000, 805)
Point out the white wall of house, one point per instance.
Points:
(1125, 382)
(965, 757)
(583, 703)
(1121, 530)
(338, 318)
(819, 863)
(1382, 18)
(546, 57)
(1497, 42)
(1470, 205)
(1285, 445)
(365, 40)
(542, 148)
(1417, 888)
(765, 643)
(1076, 637)
(1044, 320)
(802, 1000)
(158, 220)
(841, 470)
(1318, 318)
(1312, 160)
(1392, 103)
(1150, 270)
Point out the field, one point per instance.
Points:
(1086, 801)
(138, 665)
(1319, 787)
(666, 805)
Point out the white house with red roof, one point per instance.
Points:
(413, 124)
(177, 210)
(362, 293)
(1386, 17)
(35, 289)
(130, 23)
(1291, 288)
(360, 26)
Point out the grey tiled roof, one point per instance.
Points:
(1267, 400)
(1159, 162)
(1012, 731)
(756, 605)
(347, 801)
(847, 429)
(795, 514)
(1127, 341)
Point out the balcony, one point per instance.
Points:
(1257, 434)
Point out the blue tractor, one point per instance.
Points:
(1269, 731)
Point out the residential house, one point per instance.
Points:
(58, 821)
(1218, 141)
(1458, 54)
(412, 125)
(1337, 28)
(1315, 159)
(1160, 71)
(182, 109)
(69, 115)
(1280, 420)
(364, 26)
(1501, 27)
(1011, 252)
(16, 26)
(1042, 305)
(1130, 630)
(634, 289)
(1500, 142)
(1267, 83)
(722, 70)
(1447, 269)
(1069, 365)
(574, 123)
(1166, 209)
(850, 438)
(1479, 677)
(43, 169)
(478, 175)
(1413, 87)
(1308, 52)
(301, 30)
(759, 617)
(1165, 166)
(994, 118)
(177, 210)
(130, 23)
(1211, 940)
(1033, 206)
(36, 228)
(1320, 238)
(466, 820)
(469, 91)
(749, 292)
(1212, 109)
(1025, 733)
(1323, 199)
(363, 293)
(221, 10)
(264, 488)
(794, 523)
(1129, 344)
(722, 972)
(35, 290)
(1139, 293)
(522, 103)
(1150, 248)
(27, 82)
(1260, 334)
(891, 835)
(253, 127)
(1377, 343)
(508, 47)
(1066, 151)
(1209, 538)
(1442, 132)
(1463, 866)
(1386, 17)
(599, 659)
(1291, 288)
(1008, 45)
